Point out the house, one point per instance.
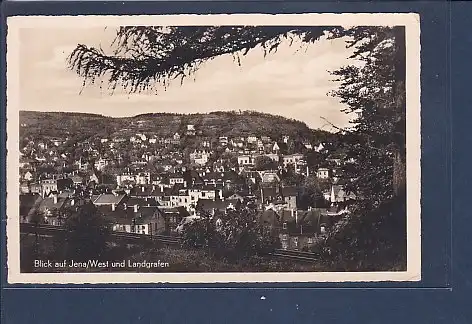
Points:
(56, 141)
(125, 179)
(138, 202)
(308, 145)
(205, 143)
(246, 160)
(36, 188)
(142, 220)
(200, 157)
(223, 140)
(319, 148)
(77, 180)
(275, 148)
(211, 207)
(94, 178)
(296, 229)
(322, 173)
(251, 139)
(28, 176)
(265, 139)
(25, 162)
(269, 176)
(24, 187)
(52, 208)
(143, 178)
(47, 186)
(289, 196)
(101, 164)
(112, 200)
(172, 216)
(292, 159)
(176, 178)
(274, 157)
(190, 130)
(339, 194)
(236, 196)
(176, 137)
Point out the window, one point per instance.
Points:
(323, 229)
(310, 240)
(285, 225)
(295, 241)
(203, 194)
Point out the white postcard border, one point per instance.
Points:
(411, 22)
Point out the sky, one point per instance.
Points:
(293, 82)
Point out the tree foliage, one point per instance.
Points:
(144, 56)
(87, 234)
(374, 235)
(264, 163)
(375, 144)
(232, 234)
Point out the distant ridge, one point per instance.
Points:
(213, 124)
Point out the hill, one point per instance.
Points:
(215, 124)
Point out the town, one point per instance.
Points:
(146, 183)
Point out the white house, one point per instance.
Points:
(292, 159)
(200, 157)
(322, 173)
(245, 160)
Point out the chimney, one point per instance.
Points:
(113, 207)
(55, 199)
(142, 188)
(72, 202)
(135, 208)
(153, 187)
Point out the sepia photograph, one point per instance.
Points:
(213, 148)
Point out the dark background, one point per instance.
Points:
(446, 54)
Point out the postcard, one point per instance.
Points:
(213, 148)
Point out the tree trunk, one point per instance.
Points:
(399, 159)
(399, 174)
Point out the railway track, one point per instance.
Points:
(51, 230)
(295, 255)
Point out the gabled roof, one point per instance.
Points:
(180, 211)
(118, 216)
(49, 204)
(108, 199)
(141, 202)
(209, 204)
(66, 194)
